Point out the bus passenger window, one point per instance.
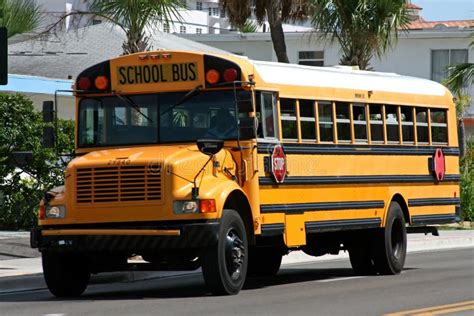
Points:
(360, 122)
(265, 116)
(439, 130)
(376, 123)
(391, 119)
(407, 124)
(343, 122)
(422, 126)
(288, 118)
(307, 120)
(325, 121)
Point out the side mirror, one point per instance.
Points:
(48, 111)
(21, 158)
(210, 147)
(248, 128)
(244, 101)
(48, 137)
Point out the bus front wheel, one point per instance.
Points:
(224, 265)
(66, 275)
(390, 244)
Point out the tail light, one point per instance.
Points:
(41, 212)
(220, 71)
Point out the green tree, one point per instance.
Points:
(276, 12)
(20, 130)
(363, 28)
(19, 16)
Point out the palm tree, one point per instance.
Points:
(135, 16)
(274, 11)
(363, 28)
(19, 16)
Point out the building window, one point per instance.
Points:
(199, 6)
(442, 58)
(166, 28)
(182, 29)
(210, 11)
(222, 13)
(215, 11)
(311, 58)
(198, 30)
(183, 4)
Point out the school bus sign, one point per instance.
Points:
(3, 56)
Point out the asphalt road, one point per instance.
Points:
(441, 279)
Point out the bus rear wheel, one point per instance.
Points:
(265, 261)
(390, 243)
(224, 265)
(66, 275)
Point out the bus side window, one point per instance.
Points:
(391, 119)
(439, 128)
(307, 120)
(422, 126)
(376, 123)
(343, 122)
(265, 114)
(360, 123)
(288, 118)
(325, 121)
(407, 124)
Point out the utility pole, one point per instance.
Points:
(3, 56)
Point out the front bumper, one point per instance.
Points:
(126, 239)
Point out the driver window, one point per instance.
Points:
(266, 114)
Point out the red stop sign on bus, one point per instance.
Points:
(439, 166)
(278, 161)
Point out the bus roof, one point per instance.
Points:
(345, 78)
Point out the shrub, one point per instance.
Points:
(21, 130)
(467, 182)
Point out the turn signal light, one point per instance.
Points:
(41, 212)
(84, 83)
(212, 76)
(230, 74)
(101, 82)
(207, 206)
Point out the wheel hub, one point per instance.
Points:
(234, 254)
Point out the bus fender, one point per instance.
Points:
(397, 197)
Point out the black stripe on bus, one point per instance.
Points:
(297, 180)
(298, 208)
(433, 219)
(351, 224)
(273, 229)
(434, 201)
(328, 149)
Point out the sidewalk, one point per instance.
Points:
(27, 262)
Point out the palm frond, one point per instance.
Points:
(460, 76)
(20, 16)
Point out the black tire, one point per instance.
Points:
(66, 275)
(361, 260)
(360, 252)
(265, 261)
(390, 244)
(224, 265)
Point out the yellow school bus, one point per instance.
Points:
(216, 161)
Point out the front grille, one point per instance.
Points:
(118, 184)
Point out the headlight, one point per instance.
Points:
(186, 207)
(55, 211)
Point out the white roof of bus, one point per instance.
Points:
(344, 77)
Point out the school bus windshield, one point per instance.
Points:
(155, 118)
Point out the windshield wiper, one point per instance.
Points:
(191, 94)
(130, 102)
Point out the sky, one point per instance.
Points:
(443, 10)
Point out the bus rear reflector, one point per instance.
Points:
(84, 83)
(207, 206)
(101, 82)
(212, 76)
